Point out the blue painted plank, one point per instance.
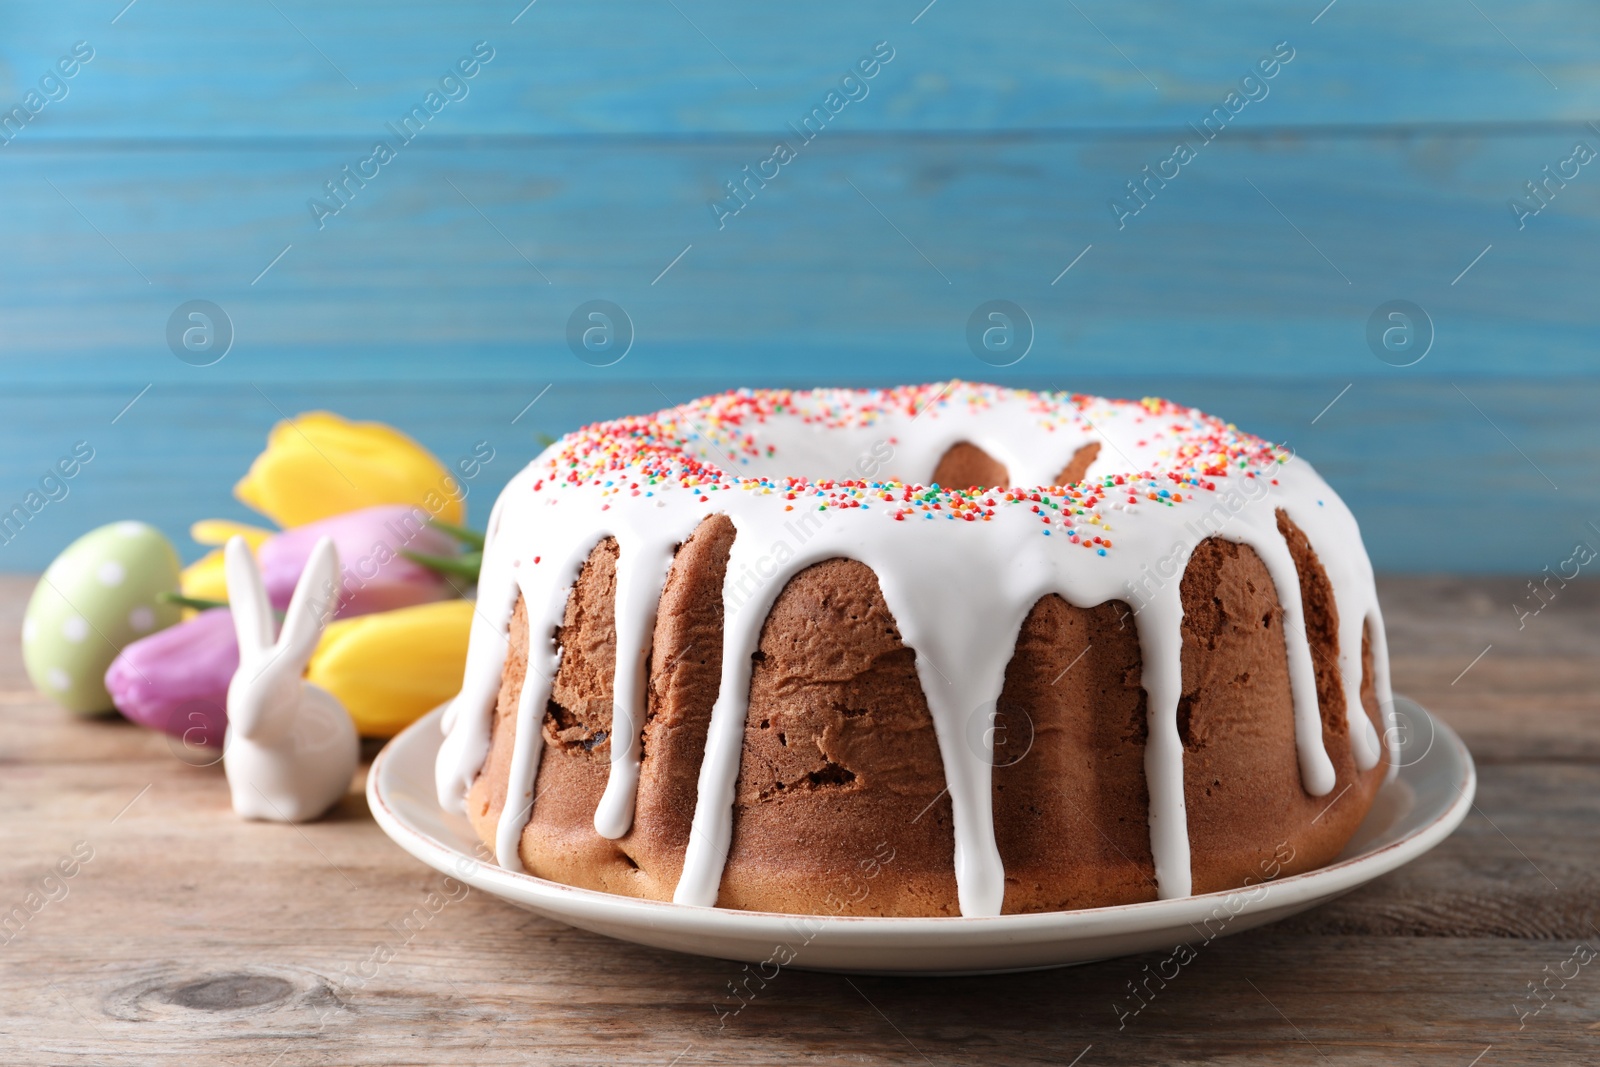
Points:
(180, 164)
(185, 68)
(1435, 485)
(1264, 258)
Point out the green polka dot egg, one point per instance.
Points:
(96, 598)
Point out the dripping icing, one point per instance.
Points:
(720, 450)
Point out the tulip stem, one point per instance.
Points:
(201, 603)
(190, 601)
(460, 533)
(465, 565)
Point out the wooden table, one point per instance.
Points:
(1396, 158)
(191, 937)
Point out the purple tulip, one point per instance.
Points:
(375, 576)
(176, 680)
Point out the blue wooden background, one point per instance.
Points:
(580, 164)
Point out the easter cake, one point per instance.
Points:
(947, 649)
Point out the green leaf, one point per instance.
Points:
(200, 603)
(190, 601)
(460, 533)
(466, 565)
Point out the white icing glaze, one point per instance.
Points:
(959, 593)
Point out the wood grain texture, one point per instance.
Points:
(1411, 457)
(192, 937)
(981, 165)
(192, 69)
(463, 260)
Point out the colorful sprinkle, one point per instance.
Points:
(691, 447)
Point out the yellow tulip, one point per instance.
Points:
(318, 465)
(392, 667)
(220, 531)
(203, 579)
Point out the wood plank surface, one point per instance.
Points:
(180, 164)
(182, 158)
(463, 260)
(1414, 458)
(186, 68)
(191, 937)
(413, 308)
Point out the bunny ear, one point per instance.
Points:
(316, 598)
(247, 599)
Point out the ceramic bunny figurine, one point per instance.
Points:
(291, 746)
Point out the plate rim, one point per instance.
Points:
(1290, 893)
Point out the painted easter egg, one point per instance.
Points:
(97, 597)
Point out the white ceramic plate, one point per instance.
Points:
(1412, 813)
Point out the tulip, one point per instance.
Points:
(219, 532)
(465, 563)
(370, 542)
(203, 579)
(392, 668)
(177, 680)
(317, 465)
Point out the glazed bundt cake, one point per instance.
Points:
(806, 652)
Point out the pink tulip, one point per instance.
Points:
(176, 680)
(376, 577)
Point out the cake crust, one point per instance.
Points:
(840, 805)
(777, 693)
